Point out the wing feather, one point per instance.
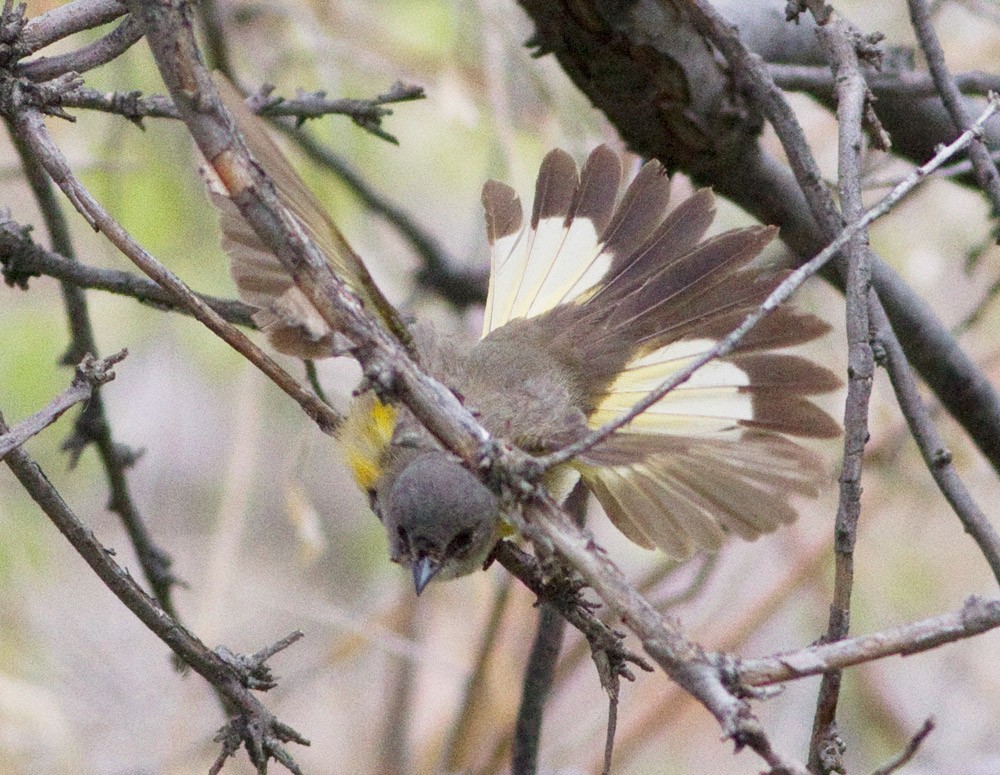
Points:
(260, 277)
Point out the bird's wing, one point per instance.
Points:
(291, 322)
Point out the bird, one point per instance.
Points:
(592, 303)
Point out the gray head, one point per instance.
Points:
(441, 520)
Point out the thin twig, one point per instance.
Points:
(976, 405)
(439, 272)
(684, 661)
(777, 297)
(986, 171)
(900, 761)
(817, 79)
(932, 448)
(21, 259)
(565, 596)
(92, 426)
(977, 615)
(95, 54)
(90, 374)
(852, 96)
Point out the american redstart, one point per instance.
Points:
(589, 308)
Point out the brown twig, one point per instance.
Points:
(92, 425)
(900, 761)
(461, 288)
(932, 448)
(21, 259)
(89, 375)
(953, 376)
(564, 595)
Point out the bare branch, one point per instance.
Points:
(817, 79)
(626, 57)
(22, 259)
(986, 171)
(900, 761)
(852, 99)
(31, 127)
(254, 726)
(95, 54)
(936, 455)
(90, 374)
(92, 425)
(68, 19)
(438, 273)
(975, 617)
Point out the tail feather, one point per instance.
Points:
(630, 307)
(560, 256)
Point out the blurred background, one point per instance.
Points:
(270, 535)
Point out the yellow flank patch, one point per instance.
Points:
(365, 436)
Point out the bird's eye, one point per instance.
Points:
(460, 544)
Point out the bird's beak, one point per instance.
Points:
(424, 570)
